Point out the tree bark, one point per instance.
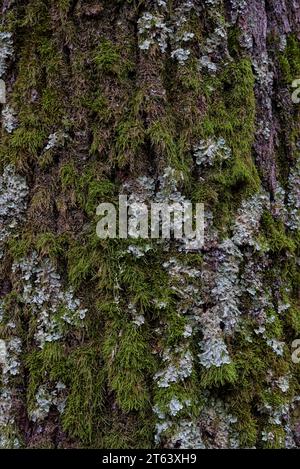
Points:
(132, 343)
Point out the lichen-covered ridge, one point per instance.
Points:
(137, 343)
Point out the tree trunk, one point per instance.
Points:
(144, 343)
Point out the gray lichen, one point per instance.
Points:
(10, 363)
(6, 51)
(9, 119)
(46, 398)
(155, 29)
(42, 290)
(13, 202)
(293, 206)
(55, 140)
(179, 366)
(210, 152)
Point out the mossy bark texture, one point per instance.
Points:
(132, 343)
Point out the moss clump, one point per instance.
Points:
(83, 260)
(128, 432)
(187, 392)
(289, 60)
(27, 141)
(230, 114)
(293, 318)
(130, 137)
(89, 188)
(277, 238)
(68, 176)
(51, 245)
(19, 246)
(108, 60)
(82, 417)
(82, 413)
(172, 149)
(47, 363)
(247, 427)
(219, 376)
(276, 437)
(129, 361)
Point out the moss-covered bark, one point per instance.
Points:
(142, 344)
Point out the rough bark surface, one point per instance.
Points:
(138, 343)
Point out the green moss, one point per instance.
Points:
(247, 429)
(184, 392)
(277, 437)
(49, 244)
(275, 233)
(83, 261)
(289, 60)
(36, 15)
(84, 406)
(128, 433)
(68, 175)
(46, 364)
(27, 140)
(232, 111)
(19, 246)
(219, 376)
(37, 95)
(230, 114)
(97, 191)
(90, 188)
(10, 434)
(275, 326)
(189, 78)
(289, 71)
(136, 281)
(234, 42)
(51, 109)
(81, 371)
(46, 243)
(129, 362)
(274, 398)
(250, 366)
(130, 136)
(109, 268)
(98, 104)
(205, 193)
(46, 160)
(12, 313)
(50, 57)
(108, 60)
(293, 318)
(175, 326)
(172, 149)
(64, 5)
(41, 202)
